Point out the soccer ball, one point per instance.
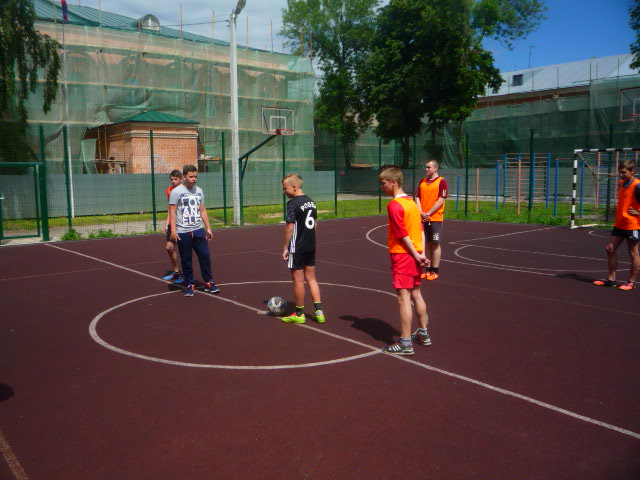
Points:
(277, 305)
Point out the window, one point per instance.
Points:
(517, 80)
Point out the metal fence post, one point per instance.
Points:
(532, 171)
(466, 174)
(335, 176)
(67, 174)
(153, 183)
(224, 183)
(284, 172)
(379, 169)
(43, 189)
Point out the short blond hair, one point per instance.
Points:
(391, 173)
(628, 165)
(435, 162)
(293, 179)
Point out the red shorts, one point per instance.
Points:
(405, 271)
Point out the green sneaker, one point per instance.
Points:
(293, 318)
(318, 316)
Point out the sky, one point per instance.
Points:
(574, 29)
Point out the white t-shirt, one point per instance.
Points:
(187, 202)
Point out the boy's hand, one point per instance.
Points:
(285, 254)
(174, 237)
(209, 234)
(422, 260)
(633, 212)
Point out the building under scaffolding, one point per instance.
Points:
(116, 68)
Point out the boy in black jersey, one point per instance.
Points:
(300, 247)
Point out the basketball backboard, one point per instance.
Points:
(278, 121)
(629, 104)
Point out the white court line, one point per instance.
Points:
(12, 461)
(435, 369)
(495, 266)
(93, 327)
(509, 393)
(503, 235)
(527, 269)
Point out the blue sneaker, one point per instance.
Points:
(190, 290)
(171, 275)
(179, 279)
(210, 287)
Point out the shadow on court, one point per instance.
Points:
(577, 277)
(374, 327)
(6, 392)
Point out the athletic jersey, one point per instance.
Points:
(404, 220)
(428, 192)
(169, 189)
(628, 196)
(302, 212)
(187, 202)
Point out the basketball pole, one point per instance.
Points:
(235, 146)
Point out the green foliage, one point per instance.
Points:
(23, 51)
(337, 34)
(102, 234)
(634, 21)
(507, 20)
(427, 65)
(71, 234)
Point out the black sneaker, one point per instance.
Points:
(210, 287)
(398, 349)
(421, 338)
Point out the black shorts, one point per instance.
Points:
(297, 261)
(633, 235)
(432, 232)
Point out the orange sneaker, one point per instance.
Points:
(431, 276)
(627, 286)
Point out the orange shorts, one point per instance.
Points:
(405, 271)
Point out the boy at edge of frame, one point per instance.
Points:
(626, 227)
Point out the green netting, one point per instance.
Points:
(591, 119)
(111, 75)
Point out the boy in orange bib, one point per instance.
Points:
(627, 227)
(405, 241)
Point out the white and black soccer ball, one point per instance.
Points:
(277, 305)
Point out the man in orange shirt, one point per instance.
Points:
(430, 196)
(627, 227)
(404, 238)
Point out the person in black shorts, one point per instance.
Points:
(300, 248)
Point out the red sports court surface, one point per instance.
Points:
(107, 373)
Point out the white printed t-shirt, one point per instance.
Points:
(187, 202)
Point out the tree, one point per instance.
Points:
(634, 21)
(23, 53)
(337, 33)
(427, 65)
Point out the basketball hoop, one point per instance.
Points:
(288, 132)
(278, 121)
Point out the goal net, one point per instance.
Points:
(595, 185)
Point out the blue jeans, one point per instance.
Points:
(196, 240)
